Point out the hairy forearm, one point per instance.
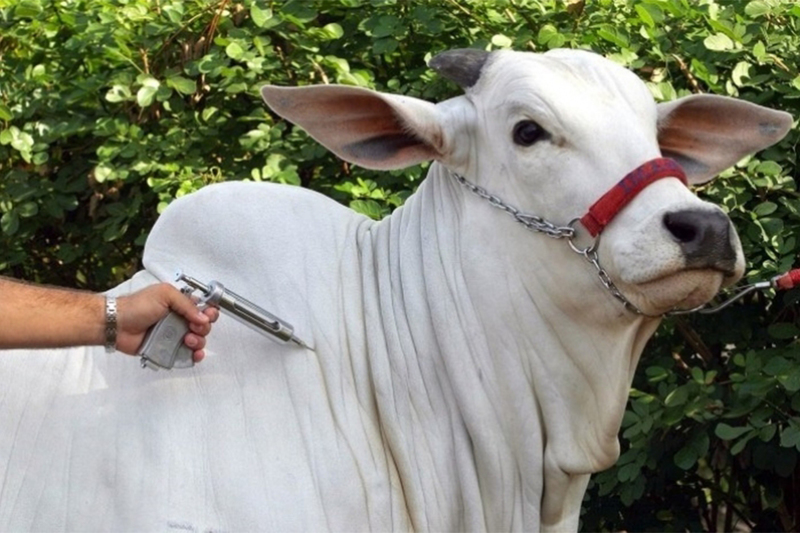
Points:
(32, 316)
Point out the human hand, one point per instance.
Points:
(137, 312)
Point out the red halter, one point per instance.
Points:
(603, 211)
(612, 202)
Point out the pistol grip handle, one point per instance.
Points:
(163, 345)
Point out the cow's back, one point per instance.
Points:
(259, 436)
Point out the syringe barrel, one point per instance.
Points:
(248, 313)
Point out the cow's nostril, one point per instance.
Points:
(683, 230)
(704, 238)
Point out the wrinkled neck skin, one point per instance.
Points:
(527, 379)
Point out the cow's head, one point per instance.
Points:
(550, 133)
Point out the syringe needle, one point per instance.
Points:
(301, 343)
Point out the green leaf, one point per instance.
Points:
(208, 112)
(333, 31)
(677, 397)
(501, 41)
(174, 12)
(767, 432)
(40, 158)
(5, 112)
(765, 208)
(337, 63)
(757, 8)
(760, 51)
(645, 15)
(146, 95)
(778, 365)
(783, 330)
(28, 209)
(9, 222)
(718, 42)
(371, 208)
(102, 173)
(235, 88)
(21, 140)
(386, 25)
(741, 70)
(791, 380)
(737, 448)
(630, 492)
(656, 374)
(28, 9)
(696, 447)
(234, 50)
(769, 168)
(613, 36)
(685, 458)
(726, 432)
(547, 33)
(182, 85)
(790, 437)
(379, 47)
(118, 93)
(628, 472)
(260, 16)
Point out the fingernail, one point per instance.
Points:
(191, 342)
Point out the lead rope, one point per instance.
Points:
(538, 224)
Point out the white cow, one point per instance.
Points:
(468, 374)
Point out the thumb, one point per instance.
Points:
(184, 306)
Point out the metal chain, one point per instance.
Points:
(538, 224)
(605, 279)
(532, 222)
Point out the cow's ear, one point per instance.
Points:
(371, 129)
(707, 134)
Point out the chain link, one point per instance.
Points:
(605, 279)
(532, 222)
(540, 225)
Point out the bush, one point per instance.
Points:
(110, 109)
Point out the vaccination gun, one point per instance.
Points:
(163, 346)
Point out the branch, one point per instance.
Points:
(468, 13)
(688, 73)
(183, 27)
(694, 340)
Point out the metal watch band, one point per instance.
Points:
(111, 324)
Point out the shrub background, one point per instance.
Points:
(111, 109)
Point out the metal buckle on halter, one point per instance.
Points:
(571, 240)
(607, 206)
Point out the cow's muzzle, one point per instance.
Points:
(704, 236)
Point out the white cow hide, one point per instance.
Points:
(467, 374)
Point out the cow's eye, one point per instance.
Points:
(527, 132)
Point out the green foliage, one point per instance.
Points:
(109, 109)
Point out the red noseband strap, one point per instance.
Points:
(612, 202)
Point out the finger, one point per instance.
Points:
(212, 313)
(198, 356)
(196, 342)
(200, 329)
(183, 305)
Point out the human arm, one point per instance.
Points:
(33, 316)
